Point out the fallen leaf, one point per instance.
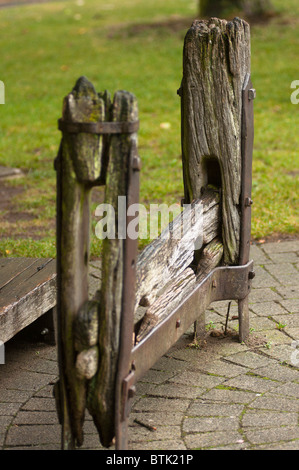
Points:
(165, 125)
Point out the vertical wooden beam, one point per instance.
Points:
(103, 387)
(78, 167)
(215, 63)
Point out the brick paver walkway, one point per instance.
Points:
(224, 395)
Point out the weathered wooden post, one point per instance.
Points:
(98, 147)
(105, 347)
(217, 129)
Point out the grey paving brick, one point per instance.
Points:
(157, 376)
(140, 433)
(263, 295)
(288, 390)
(277, 403)
(17, 396)
(263, 278)
(9, 409)
(224, 368)
(260, 323)
(225, 395)
(278, 372)
(290, 320)
(40, 404)
(288, 292)
(161, 404)
(170, 444)
(5, 421)
(172, 390)
(206, 424)
(288, 257)
(281, 268)
(229, 396)
(291, 305)
(274, 434)
(36, 417)
(199, 408)
(258, 255)
(289, 279)
(276, 336)
(251, 383)
(34, 434)
(198, 379)
(260, 419)
(212, 439)
(158, 418)
(281, 247)
(284, 353)
(268, 309)
(249, 359)
(25, 380)
(289, 445)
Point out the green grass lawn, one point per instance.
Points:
(137, 46)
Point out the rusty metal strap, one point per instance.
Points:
(124, 127)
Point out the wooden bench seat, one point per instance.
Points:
(27, 291)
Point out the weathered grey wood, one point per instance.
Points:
(216, 60)
(27, 291)
(180, 287)
(166, 303)
(168, 256)
(102, 388)
(78, 168)
(210, 258)
(10, 268)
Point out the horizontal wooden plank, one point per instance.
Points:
(10, 268)
(37, 272)
(179, 288)
(168, 256)
(28, 292)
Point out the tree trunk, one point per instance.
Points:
(218, 8)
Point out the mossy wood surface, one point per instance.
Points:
(88, 330)
(215, 62)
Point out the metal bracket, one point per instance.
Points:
(124, 127)
(223, 283)
(248, 95)
(125, 380)
(128, 393)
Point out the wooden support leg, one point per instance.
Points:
(200, 327)
(243, 312)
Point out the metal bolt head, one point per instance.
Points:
(178, 323)
(136, 164)
(248, 201)
(251, 274)
(251, 94)
(132, 392)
